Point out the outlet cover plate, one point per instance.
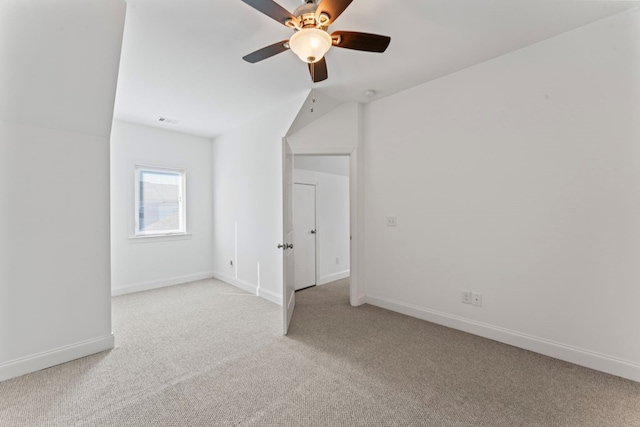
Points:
(466, 297)
(476, 299)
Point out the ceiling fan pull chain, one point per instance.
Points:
(313, 79)
(313, 100)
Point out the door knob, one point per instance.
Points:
(289, 246)
(281, 246)
(313, 231)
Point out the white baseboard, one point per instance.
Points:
(578, 356)
(323, 280)
(360, 300)
(47, 359)
(250, 287)
(270, 296)
(245, 286)
(155, 284)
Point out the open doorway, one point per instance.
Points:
(325, 127)
(321, 219)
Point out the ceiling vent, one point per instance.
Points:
(168, 120)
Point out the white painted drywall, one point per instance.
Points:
(247, 202)
(316, 105)
(146, 263)
(518, 178)
(330, 133)
(339, 131)
(336, 165)
(57, 88)
(332, 221)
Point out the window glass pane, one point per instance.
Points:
(159, 201)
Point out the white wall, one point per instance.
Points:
(314, 107)
(331, 133)
(340, 131)
(57, 89)
(146, 263)
(332, 221)
(247, 202)
(336, 165)
(518, 178)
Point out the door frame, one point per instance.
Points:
(356, 215)
(315, 184)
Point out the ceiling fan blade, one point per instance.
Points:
(272, 10)
(318, 71)
(267, 52)
(332, 8)
(360, 41)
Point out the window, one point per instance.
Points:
(160, 201)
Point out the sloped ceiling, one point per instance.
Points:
(182, 59)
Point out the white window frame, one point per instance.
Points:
(182, 202)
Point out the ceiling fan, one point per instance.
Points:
(310, 40)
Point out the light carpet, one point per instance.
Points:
(208, 354)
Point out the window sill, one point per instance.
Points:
(159, 238)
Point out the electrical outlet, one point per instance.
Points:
(392, 221)
(476, 299)
(466, 297)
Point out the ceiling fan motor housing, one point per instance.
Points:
(307, 15)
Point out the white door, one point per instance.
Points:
(304, 226)
(288, 282)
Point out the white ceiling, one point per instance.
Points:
(182, 59)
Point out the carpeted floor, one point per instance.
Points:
(208, 354)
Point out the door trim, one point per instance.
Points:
(356, 214)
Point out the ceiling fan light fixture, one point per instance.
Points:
(310, 44)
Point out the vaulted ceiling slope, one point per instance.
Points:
(182, 59)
